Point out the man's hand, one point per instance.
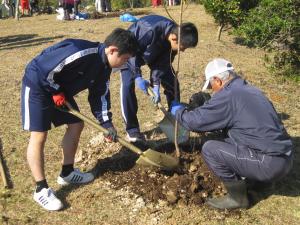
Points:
(59, 99)
(112, 135)
(156, 97)
(142, 84)
(175, 106)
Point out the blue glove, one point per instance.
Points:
(175, 106)
(156, 97)
(142, 84)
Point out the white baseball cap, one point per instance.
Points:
(215, 67)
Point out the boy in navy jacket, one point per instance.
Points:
(56, 75)
(158, 44)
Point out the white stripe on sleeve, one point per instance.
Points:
(26, 107)
(104, 104)
(67, 61)
(121, 99)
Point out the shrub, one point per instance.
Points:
(119, 4)
(228, 12)
(274, 26)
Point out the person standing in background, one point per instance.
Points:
(68, 6)
(76, 5)
(156, 3)
(25, 6)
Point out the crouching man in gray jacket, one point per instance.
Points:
(257, 147)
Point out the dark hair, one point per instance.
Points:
(189, 34)
(124, 40)
(197, 100)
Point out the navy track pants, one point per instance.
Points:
(129, 104)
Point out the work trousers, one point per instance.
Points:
(232, 162)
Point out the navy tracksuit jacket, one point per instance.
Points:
(155, 51)
(71, 66)
(257, 146)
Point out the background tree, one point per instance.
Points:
(228, 12)
(275, 26)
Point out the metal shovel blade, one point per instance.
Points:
(158, 159)
(167, 125)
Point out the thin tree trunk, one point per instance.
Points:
(131, 2)
(221, 26)
(176, 77)
(17, 10)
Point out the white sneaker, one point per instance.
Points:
(136, 137)
(76, 177)
(47, 199)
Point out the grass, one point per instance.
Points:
(98, 203)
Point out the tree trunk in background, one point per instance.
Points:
(220, 31)
(131, 2)
(17, 9)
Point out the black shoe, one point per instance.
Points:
(236, 196)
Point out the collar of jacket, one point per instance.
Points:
(103, 55)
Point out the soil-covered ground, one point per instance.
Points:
(123, 191)
(190, 183)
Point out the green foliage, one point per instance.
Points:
(274, 26)
(228, 11)
(195, 1)
(121, 4)
(53, 3)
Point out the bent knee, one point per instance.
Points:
(208, 147)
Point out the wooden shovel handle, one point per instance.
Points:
(160, 106)
(102, 129)
(2, 171)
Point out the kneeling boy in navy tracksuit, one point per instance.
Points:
(56, 75)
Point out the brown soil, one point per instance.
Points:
(190, 183)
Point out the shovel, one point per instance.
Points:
(167, 125)
(2, 171)
(147, 158)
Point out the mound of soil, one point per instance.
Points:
(192, 183)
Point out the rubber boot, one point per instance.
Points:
(236, 196)
(258, 186)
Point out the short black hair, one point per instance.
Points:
(124, 40)
(189, 35)
(197, 100)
